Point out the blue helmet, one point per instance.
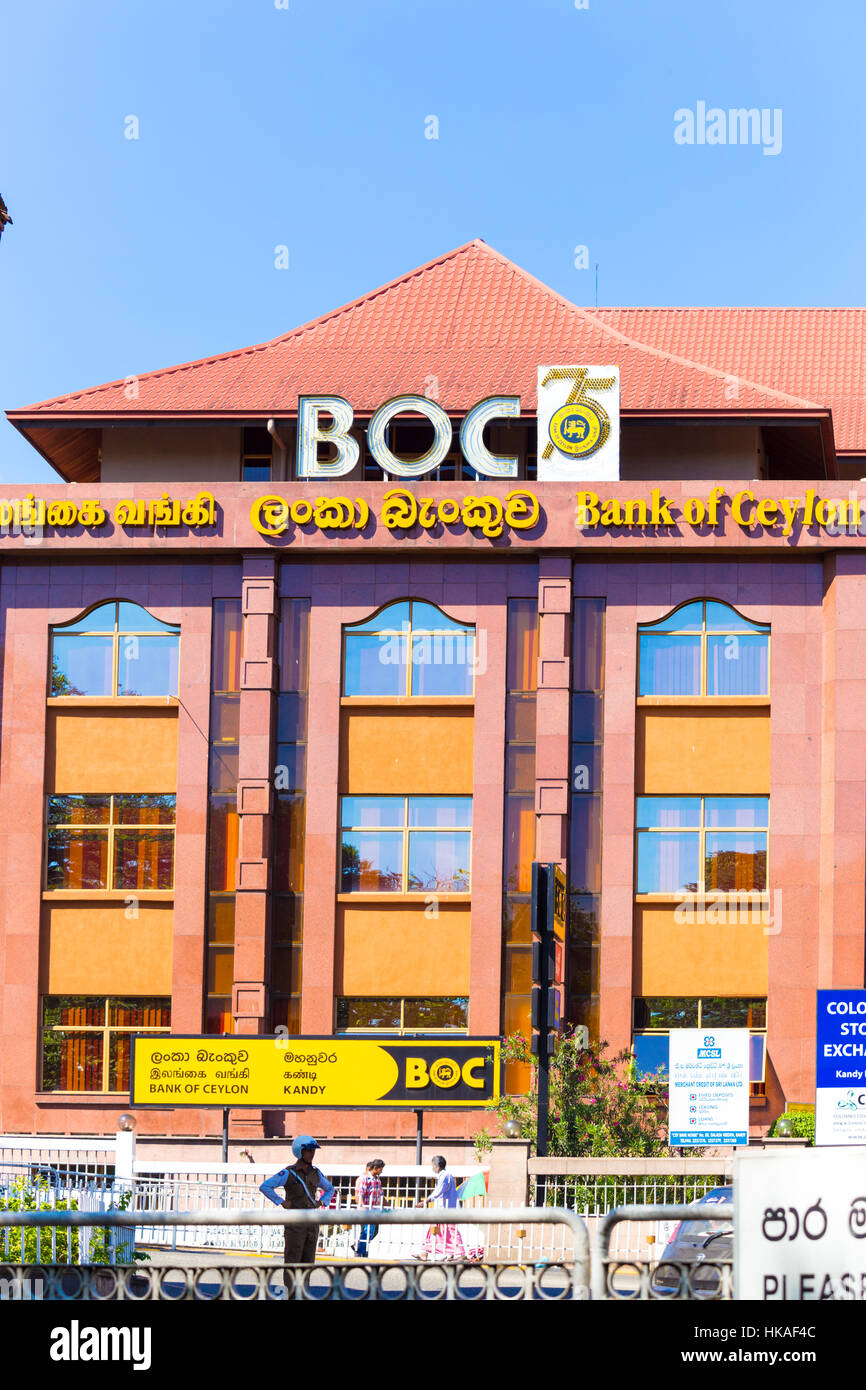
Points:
(303, 1141)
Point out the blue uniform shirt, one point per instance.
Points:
(315, 1180)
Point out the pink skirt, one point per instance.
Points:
(446, 1243)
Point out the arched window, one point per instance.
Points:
(409, 648)
(117, 648)
(704, 648)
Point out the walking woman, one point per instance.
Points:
(444, 1242)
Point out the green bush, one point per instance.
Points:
(28, 1194)
(799, 1123)
(599, 1106)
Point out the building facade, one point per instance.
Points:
(278, 751)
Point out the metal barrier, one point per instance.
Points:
(651, 1279)
(457, 1280)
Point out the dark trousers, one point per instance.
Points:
(299, 1247)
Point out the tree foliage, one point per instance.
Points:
(599, 1107)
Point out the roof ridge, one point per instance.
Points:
(658, 352)
(159, 372)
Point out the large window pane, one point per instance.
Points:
(726, 812)
(291, 718)
(391, 619)
(289, 844)
(440, 810)
(651, 1055)
(667, 863)
(221, 919)
(588, 644)
(736, 862)
(427, 618)
(223, 846)
(442, 663)
(517, 921)
(722, 1012)
(223, 767)
(688, 618)
(722, 618)
(670, 665)
(103, 618)
(520, 719)
(225, 718)
(373, 811)
(131, 617)
(584, 855)
(140, 1012)
(81, 665)
(438, 861)
(72, 1061)
(143, 858)
(586, 719)
(522, 650)
(294, 634)
(666, 1013)
(77, 859)
(368, 1013)
(519, 843)
(520, 767)
(757, 1056)
(738, 665)
(372, 861)
(291, 766)
(227, 629)
(436, 1013)
(79, 810)
(140, 808)
(376, 664)
(147, 665)
(673, 811)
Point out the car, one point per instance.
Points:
(700, 1245)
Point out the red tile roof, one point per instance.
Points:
(818, 353)
(473, 322)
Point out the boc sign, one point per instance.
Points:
(336, 1073)
(840, 1078)
(800, 1226)
(709, 1086)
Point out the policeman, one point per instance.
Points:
(301, 1183)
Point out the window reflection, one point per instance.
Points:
(409, 648)
(704, 648)
(117, 649)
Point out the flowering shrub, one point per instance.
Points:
(599, 1106)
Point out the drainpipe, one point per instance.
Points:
(281, 446)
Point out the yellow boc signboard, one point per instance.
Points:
(334, 1073)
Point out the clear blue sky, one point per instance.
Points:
(305, 127)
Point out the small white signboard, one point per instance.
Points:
(800, 1225)
(708, 1086)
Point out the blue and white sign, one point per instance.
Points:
(709, 1086)
(840, 1079)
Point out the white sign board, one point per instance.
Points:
(578, 424)
(800, 1225)
(709, 1086)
